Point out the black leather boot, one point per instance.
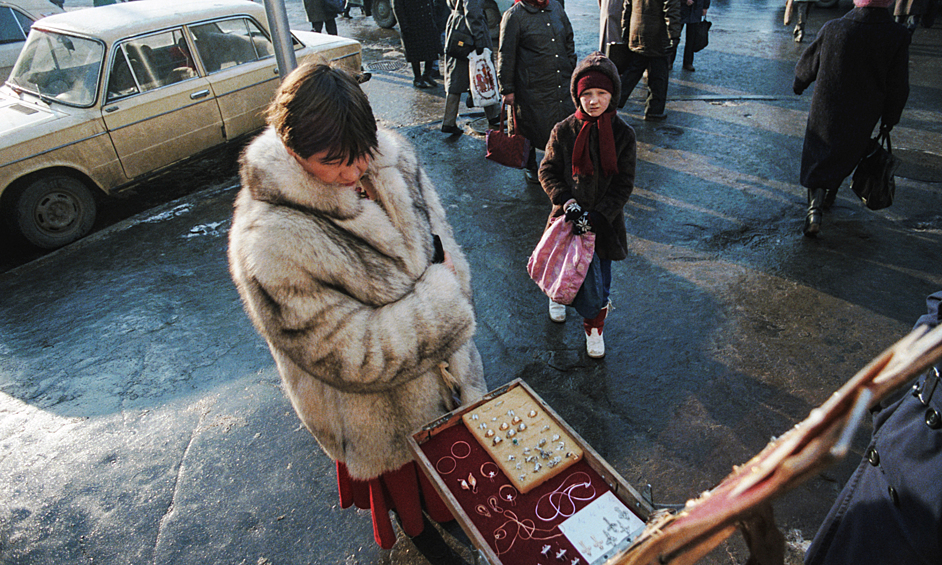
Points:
(815, 212)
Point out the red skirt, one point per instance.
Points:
(405, 490)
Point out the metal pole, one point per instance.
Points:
(281, 36)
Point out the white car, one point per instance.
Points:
(16, 17)
(102, 98)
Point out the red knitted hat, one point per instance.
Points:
(594, 79)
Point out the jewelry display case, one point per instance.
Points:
(539, 494)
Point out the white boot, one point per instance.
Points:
(557, 312)
(595, 344)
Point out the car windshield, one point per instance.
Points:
(58, 68)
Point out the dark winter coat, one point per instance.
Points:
(537, 57)
(603, 197)
(694, 13)
(317, 12)
(421, 39)
(356, 314)
(861, 64)
(457, 72)
(890, 511)
(649, 26)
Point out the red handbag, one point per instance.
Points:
(504, 148)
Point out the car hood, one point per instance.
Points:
(16, 114)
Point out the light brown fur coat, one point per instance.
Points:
(343, 290)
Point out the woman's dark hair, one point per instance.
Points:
(321, 108)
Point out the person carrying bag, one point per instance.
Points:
(588, 174)
(467, 17)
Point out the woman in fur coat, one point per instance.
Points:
(588, 173)
(335, 250)
(861, 65)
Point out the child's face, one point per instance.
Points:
(595, 101)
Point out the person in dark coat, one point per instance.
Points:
(651, 28)
(421, 38)
(890, 511)
(458, 69)
(320, 16)
(692, 13)
(588, 174)
(537, 57)
(861, 64)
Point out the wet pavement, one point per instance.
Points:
(141, 418)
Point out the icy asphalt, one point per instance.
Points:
(141, 418)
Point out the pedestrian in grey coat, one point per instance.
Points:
(537, 57)
(457, 69)
(861, 65)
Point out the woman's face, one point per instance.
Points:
(595, 101)
(334, 172)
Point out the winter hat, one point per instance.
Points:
(873, 3)
(594, 79)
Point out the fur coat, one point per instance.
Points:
(603, 197)
(356, 315)
(861, 65)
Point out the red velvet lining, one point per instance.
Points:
(514, 533)
(405, 490)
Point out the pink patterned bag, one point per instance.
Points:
(561, 260)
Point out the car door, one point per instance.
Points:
(239, 61)
(157, 108)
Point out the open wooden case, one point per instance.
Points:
(581, 512)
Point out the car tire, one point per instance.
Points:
(383, 14)
(54, 210)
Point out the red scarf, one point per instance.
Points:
(581, 159)
(541, 4)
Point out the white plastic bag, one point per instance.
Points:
(483, 79)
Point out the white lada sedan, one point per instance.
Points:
(102, 98)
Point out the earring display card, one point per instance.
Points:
(520, 437)
(602, 529)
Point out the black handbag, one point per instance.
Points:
(873, 179)
(459, 42)
(701, 38)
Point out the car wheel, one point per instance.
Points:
(826, 3)
(54, 210)
(383, 14)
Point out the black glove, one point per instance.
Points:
(572, 210)
(579, 218)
